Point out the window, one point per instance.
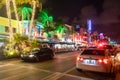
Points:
(94, 52)
(6, 29)
(14, 30)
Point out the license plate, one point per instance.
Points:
(90, 61)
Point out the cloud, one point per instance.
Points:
(110, 14)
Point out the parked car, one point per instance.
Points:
(110, 48)
(81, 48)
(118, 48)
(38, 54)
(98, 60)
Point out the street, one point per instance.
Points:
(60, 68)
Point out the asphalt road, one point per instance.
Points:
(60, 68)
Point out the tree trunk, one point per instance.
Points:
(16, 14)
(9, 19)
(32, 18)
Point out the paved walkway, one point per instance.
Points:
(2, 57)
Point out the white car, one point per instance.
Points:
(98, 60)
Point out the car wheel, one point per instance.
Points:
(112, 71)
(79, 70)
(51, 56)
(37, 59)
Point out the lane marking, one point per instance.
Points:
(50, 76)
(55, 75)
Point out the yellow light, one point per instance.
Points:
(11, 53)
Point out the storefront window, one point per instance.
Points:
(6, 29)
(14, 30)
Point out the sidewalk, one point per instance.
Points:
(2, 57)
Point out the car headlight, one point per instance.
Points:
(21, 55)
(31, 55)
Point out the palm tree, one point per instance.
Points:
(24, 12)
(60, 30)
(45, 18)
(8, 10)
(18, 41)
(34, 4)
(9, 20)
(47, 22)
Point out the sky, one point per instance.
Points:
(105, 14)
(72, 8)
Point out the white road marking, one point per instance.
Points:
(58, 75)
(53, 76)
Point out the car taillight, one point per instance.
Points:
(100, 45)
(100, 60)
(79, 59)
(105, 61)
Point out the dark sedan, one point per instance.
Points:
(38, 54)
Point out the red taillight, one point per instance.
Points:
(105, 61)
(100, 45)
(79, 59)
(100, 61)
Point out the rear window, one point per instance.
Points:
(94, 52)
(108, 47)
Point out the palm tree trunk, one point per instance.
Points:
(16, 14)
(32, 18)
(22, 25)
(34, 34)
(9, 21)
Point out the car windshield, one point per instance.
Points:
(94, 52)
